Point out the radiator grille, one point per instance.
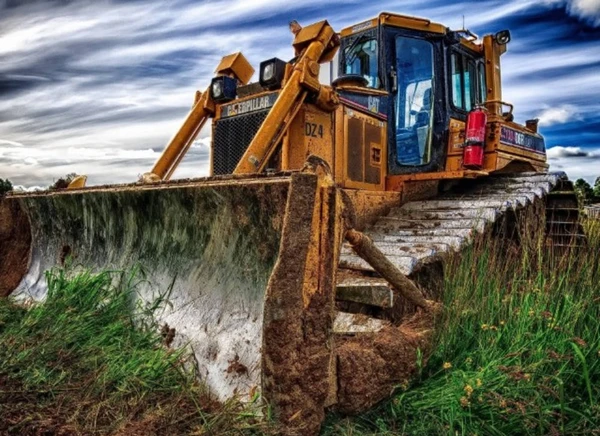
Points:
(232, 136)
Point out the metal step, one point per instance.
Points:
(373, 291)
(355, 323)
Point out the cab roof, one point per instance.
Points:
(406, 22)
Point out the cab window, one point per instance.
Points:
(414, 100)
(482, 84)
(360, 58)
(468, 82)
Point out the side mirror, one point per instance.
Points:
(502, 37)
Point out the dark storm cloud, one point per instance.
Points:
(15, 83)
(98, 87)
(560, 152)
(11, 4)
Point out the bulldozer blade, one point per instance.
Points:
(246, 264)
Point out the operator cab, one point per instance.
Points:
(407, 58)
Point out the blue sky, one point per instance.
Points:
(98, 87)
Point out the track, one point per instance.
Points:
(420, 233)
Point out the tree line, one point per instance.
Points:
(587, 193)
(5, 186)
(62, 183)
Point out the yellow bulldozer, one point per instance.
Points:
(309, 265)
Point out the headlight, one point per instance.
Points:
(223, 89)
(272, 72)
(217, 89)
(268, 72)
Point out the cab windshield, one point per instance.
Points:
(360, 58)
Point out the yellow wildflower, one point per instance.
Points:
(447, 365)
(503, 404)
(531, 312)
(484, 326)
(478, 383)
(468, 390)
(464, 401)
(502, 323)
(493, 327)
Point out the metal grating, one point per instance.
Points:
(232, 136)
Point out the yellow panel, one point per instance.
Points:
(365, 151)
(409, 22)
(369, 24)
(340, 143)
(454, 163)
(311, 132)
(456, 138)
(528, 155)
(506, 158)
(471, 45)
(490, 161)
(237, 65)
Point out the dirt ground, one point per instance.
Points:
(29, 412)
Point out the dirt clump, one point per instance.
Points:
(370, 365)
(235, 366)
(15, 245)
(168, 335)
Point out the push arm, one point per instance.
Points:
(318, 42)
(180, 143)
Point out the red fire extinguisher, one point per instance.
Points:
(475, 139)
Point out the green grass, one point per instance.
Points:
(90, 361)
(519, 351)
(518, 354)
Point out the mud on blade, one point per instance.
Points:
(212, 243)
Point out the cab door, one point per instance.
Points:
(416, 121)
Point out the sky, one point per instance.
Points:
(98, 87)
